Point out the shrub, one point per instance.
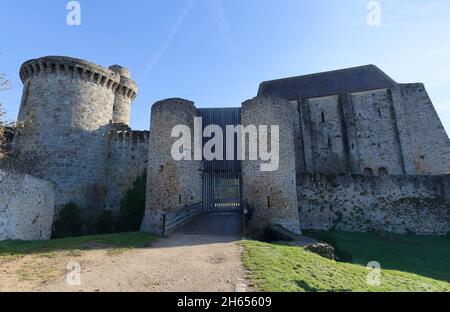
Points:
(104, 223)
(68, 223)
(132, 206)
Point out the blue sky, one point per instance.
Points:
(216, 52)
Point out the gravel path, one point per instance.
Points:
(181, 262)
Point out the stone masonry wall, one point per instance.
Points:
(377, 144)
(128, 158)
(387, 131)
(430, 142)
(125, 94)
(349, 133)
(399, 204)
(66, 107)
(328, 153)
(26, 207)
(171, 185)
(67, 110)
(271, 195)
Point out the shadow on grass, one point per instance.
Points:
(308, 288)
(422, 255)
(107, 241)
(304, 285)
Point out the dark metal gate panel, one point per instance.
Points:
(221, 191)
(221, 178)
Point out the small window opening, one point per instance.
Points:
(323, 117)
(383, 171)
(368, 172)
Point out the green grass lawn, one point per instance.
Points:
(409, 263)
(114, 243)
(422, 255)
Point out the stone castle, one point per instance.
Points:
(358, 152)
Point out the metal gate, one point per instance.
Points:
(221, 178)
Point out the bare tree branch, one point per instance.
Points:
(5, 127)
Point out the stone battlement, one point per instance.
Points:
(128, 88)
(131, 135)
(70, 66)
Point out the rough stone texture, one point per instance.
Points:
(171, 185)
(322, 249)
(430, 144)
(128, 158)
(351, 132)
(26, 207)
(392, 130)
(397, 204)
(271, 195)
(125, 94)
(67, 109)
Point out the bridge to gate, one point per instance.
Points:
(220, 212)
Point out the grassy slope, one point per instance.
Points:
(422, 255)
(113, 242)
(283, 268)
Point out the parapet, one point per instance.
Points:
(173, 104)
(70, 66)
(122, 71)
(130, 135)
(128, 88)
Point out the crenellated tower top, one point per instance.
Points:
(115, 78)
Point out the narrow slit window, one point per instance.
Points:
(323, 117)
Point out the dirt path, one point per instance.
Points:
(178, 263)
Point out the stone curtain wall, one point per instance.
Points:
(377, 144)
(430, 142)
(399, 204)
(26, 207)
(395, 131)
(271, 195)
(348, 133)
(128, 158)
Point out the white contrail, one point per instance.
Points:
(170, 37)
(221, 20)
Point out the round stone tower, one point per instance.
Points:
(66, 111)
(125, 94)
(272, 194)
(173, 184)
